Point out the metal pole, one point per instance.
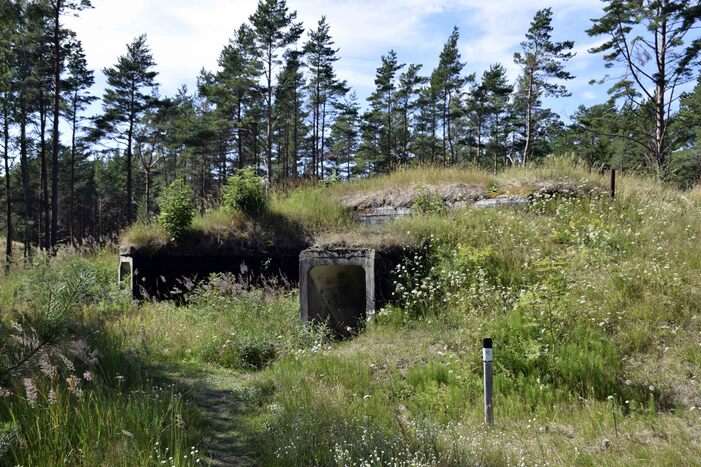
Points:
(613, 183)
(487, 359)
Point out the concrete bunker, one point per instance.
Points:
(344, 286)
(171, 275)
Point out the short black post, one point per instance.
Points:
(487, 359)
(613, 183)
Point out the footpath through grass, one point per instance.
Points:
(594, 307)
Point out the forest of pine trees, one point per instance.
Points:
(276, 104)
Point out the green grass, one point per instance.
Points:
(594, 307)
(317, 212)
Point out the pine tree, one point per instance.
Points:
(289, 115)
(130, 84)
(80, 79)
(239, 69)
(488, 107)
(323, 87)
(448, 83)
(58, 8)
(648, 38)
(383, 114)
(344, 133)
(408, 92)
(275, 31)
(7, 25)
(542, 63)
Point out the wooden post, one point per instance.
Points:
(487, 359)
(613, 183)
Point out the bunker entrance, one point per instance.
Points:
(337, 295)
(126, 275)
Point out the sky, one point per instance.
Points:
(186, 36)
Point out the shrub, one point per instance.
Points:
(245, 192)
(429, 203)
(176, 209)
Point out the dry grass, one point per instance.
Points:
(312, 213)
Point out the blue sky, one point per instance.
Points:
(186, 36)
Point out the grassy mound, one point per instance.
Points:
(314, 213)
(594, 307)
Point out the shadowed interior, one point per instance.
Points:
(337, 294)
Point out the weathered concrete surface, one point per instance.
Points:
(396, 202)
(501, 201)
(377, 207)
(344, 286)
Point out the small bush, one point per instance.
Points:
(176, 209)
(245, 192)
(429, 203)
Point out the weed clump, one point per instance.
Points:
(176, 209)
(245, 192)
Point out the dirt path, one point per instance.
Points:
(219, 395)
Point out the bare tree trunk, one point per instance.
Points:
(661, 85)
(323, 140)
(45, 219)
(295, 138)
(269, 136)
(445, 138)
(24, 166)
(130, 194)
(8, 193)
(239, 134)
(71, 232)
(529, 120)
(55, 134)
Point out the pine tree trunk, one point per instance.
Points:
(295, 138)
(478, 153)
(269, 136)
(529, 120)
(445, 138)
(130, 195)
(148, 191)
(44, 218)
(239, 134)
(71, 232)
(661, 85)
(55, 134)
(24, 167)
(389, 130)
(8, 193)
(323, 140)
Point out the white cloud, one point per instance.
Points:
(186, 36)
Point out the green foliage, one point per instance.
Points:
(245, 192)
(177, 209)
(79, 398)
(99, 428)
(429, 203)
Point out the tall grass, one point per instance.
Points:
(593, 305)
(72, 393)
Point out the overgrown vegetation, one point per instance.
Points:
(245, 192)
(594, 306)
(177, 210)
